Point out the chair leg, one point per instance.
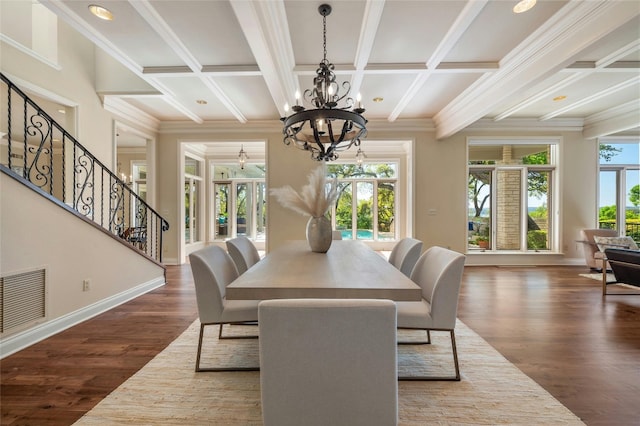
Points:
(440, 378)
(200, 369)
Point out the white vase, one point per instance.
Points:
(319, 234)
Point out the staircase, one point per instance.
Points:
(46, 158)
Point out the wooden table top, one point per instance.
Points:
(348, 270)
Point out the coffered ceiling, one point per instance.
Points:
(453, 62)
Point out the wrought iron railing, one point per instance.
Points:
(41, 151)
(630, 229)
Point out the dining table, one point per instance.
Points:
(348, 270)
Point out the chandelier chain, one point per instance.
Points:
(324, 36)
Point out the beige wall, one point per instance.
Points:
(439, 205)
(37, 233)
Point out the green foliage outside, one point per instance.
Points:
(634, 195)
(537, 240)
(607, 152)
(386, 203)
(607, 216)
(540, 212)
(386, 196)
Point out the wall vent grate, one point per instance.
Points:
(22, 300)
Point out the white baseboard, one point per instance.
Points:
(19, 341)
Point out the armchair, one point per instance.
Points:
(592, 254)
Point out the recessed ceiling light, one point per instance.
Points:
(201, 102)
(523, 6)
(559, 98)
(378, 99)
(101, 12)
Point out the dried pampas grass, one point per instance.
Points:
(316, 197)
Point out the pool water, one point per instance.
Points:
(366, 234)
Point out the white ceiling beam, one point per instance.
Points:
(76, 22)
(164, 31)
(265, 28)
(212, 70)
(614, 120)
(592, 98)
(170, 98)
(553, 46)
(551, 91)
(543, 94)
(459, 27)
(368, 30)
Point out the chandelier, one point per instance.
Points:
(329, 128)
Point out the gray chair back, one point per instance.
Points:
(243, 252)
(213, 270)
(328, 362)
(439, 273)
(405, 254)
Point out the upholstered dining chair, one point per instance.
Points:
(328, 362)
(405, 254)
(212, 270)
(439, 273)
(243, 252)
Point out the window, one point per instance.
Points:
(240, 201)
(511, 188)
(366, 205)
(619, 187)
(192, 195)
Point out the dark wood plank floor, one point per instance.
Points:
(553, 324)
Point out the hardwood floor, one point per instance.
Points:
(550, 322)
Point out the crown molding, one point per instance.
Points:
(528, 125)
(622, 118)
(126, 112)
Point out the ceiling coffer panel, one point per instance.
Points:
(211, 34)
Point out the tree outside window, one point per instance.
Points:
(367, 199)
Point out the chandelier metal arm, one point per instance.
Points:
(324, 114)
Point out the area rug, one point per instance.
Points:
(598, 277)
(167, 391)
(611, 282)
